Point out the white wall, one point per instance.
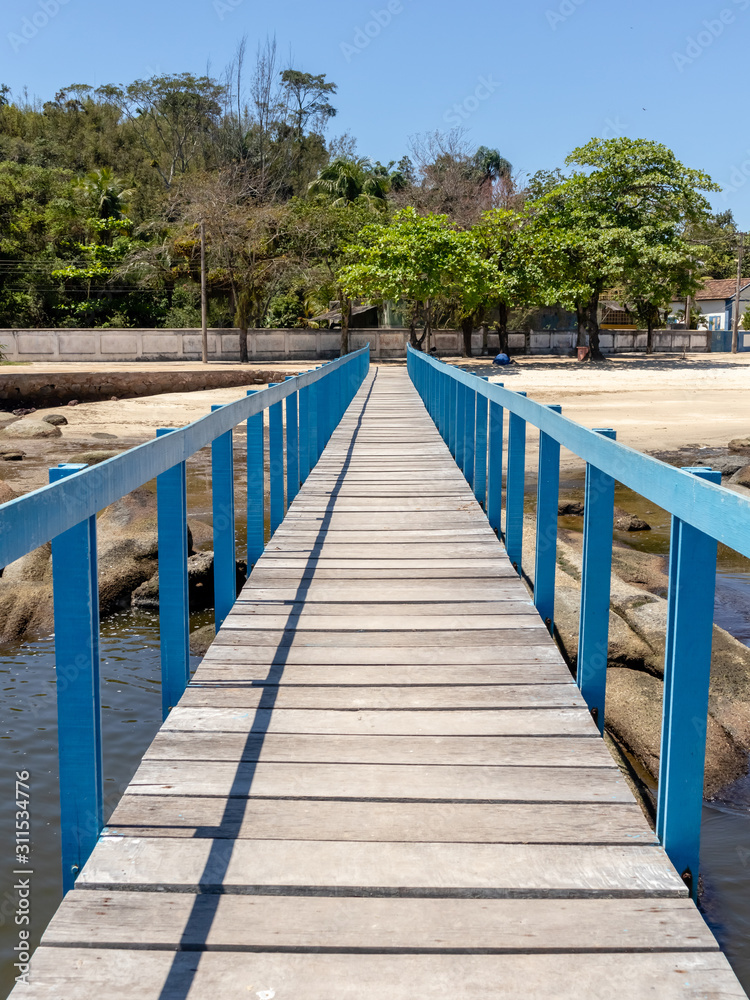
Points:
(276, 345)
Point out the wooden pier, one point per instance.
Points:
(382, 783)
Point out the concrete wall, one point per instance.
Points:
(278, 345)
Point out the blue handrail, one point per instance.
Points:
(703, 514)
(65, 513)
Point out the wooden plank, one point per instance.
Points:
(492, 751)
(382, 781)
(88, 974)
(533, 635)
(478, 722)
(389, 675)
(410, 822)
(386, 624)
(466, 870)
(238, 650)
(268, 923)
(386, 698)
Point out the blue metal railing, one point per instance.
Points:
(470, 415)
(65, 512)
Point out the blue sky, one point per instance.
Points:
(534, 79)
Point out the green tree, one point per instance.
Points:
(346, 181)
(632, 190)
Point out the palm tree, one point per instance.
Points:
(107, 192)
(490, 167)
(345, 181)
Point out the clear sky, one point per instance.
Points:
(533, 78)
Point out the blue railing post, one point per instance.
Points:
(256, 529)
(76, 607)
(174, 598)
(460, 425)
(480, 460)
(276, 461)
(514, 497)
(452, 415)
(687, 672)
(547, 502)
(324, 402)
(470, 446)
(312, 423)
(495, 468)
(304, 434)
(596, 581)
(225, 564)
(292, 446)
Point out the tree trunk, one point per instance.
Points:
(581, 319)
(592, 327)
(467, 328)
(346, 316)
(502, 328)
(650, 337)
(244, 356)
(485, 340)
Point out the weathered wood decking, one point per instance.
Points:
(382, 783)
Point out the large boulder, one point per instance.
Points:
(30, 430)
(742, 477)
(200, 585)
(638, 622)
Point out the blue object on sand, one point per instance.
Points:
(501, 359)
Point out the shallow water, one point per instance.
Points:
(131, 716)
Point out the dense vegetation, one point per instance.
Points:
(103, 192)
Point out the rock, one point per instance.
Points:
(571, 509)
(73, 402)
(726, 465)
(36, 567)
(56, 419)
(629, 522)
(742, 477)
(104, 437)
(24, 413)
(622, 521)
(741, 445)
(94, 457)
(6, 493)
(201, 639)
(31, 430)
(13, 456)
(200, 584)
(636, 663)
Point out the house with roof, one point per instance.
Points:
(716, 301)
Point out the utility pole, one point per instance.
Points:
(204, 296)
(688, 307)
(736, 316)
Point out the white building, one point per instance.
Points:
(716, 302)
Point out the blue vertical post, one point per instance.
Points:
(471, 421)
(292, 447)
(324, 401)
(495, 469)
(596, 581)
(76, 603)
(687, 672)
(480, 461)
(547, 501)
(452, 421)
(312, 424)
(304, 422)
(255, 488)
(276, 461)
(174, 599)
(515, 489)
(460, 425)
(225, 566)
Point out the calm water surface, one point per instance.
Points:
(131, 713)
